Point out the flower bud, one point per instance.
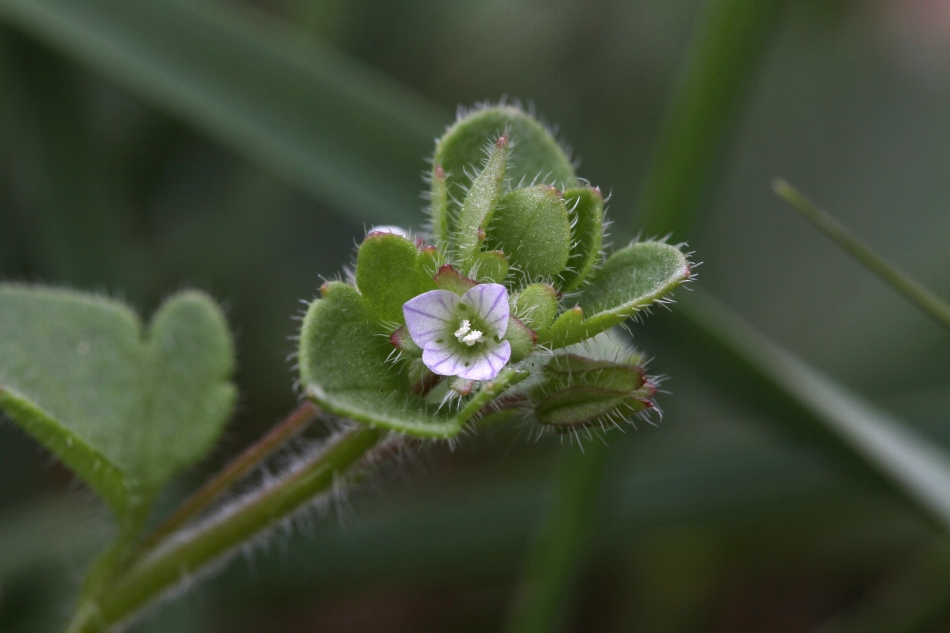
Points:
(579, 391)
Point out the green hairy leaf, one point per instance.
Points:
(630, 280)
(389, 272)
(124, 406)
(346, 367)
(534, 155)
(586, 206)
(531, 227)
(480, 203)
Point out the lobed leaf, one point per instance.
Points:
(124, 406)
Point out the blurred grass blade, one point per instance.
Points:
(726, 51)
(559, 544)
(907, 461)
(840, 235)
(308, 114)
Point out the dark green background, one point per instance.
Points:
(715, 519)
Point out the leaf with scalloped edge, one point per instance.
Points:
(124, 406)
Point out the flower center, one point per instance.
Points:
(465, 334)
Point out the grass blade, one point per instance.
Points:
(936, 309)
(907, 461)
(308, 114)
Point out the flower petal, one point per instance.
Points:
(490, 303)
(441, 359)
(487, 365)
(430, 315)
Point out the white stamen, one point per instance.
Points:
(471, 338)
(463, 330)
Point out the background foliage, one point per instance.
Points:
(241, 148)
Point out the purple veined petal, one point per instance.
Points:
(490, 302)
(488, 364)
(430, 315)
(440, 359)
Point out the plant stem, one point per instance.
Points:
(181, 557)
(840, 235)
(559, 543)
(235, 470)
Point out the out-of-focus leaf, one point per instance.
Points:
(927, 301)
(123, 406)
(919, 469)
(725, 52)
(306, 113)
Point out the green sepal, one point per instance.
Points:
(347, 367)
(480, 203)
(581, 406)
(402, 341)
(535, 155)
(124, 406)
(389, 272)
(586, 210)
(449, 279)
(521, 338)
(490, 267)
(567, 328)
(630, 280)
(578, 391)
(532, 228)
(536, 305)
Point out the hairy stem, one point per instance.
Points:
(240, 466)
(191, 552)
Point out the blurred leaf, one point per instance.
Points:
(314, 117)
(535, 155)
(559, 544)
(938, 310)
(124, 408)
(908, 462)
(727, 48)
(346, 367)
(56, 178)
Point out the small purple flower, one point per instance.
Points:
(461, 336)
